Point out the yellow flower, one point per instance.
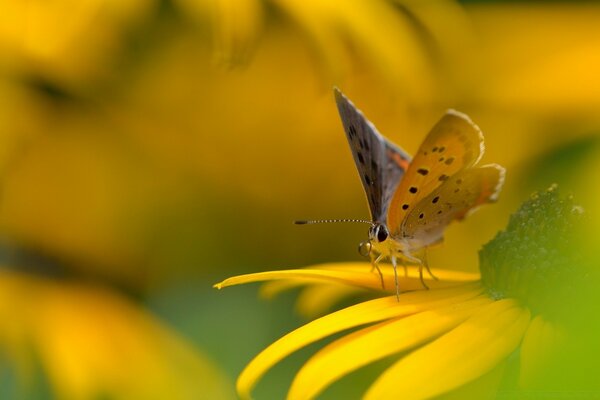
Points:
(67, 41)
(89, 343)
(388, 327)
(446, 337)
(380, 33)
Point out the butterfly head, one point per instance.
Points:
(378, 233)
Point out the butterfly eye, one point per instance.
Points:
(364, 248)
(382, 234)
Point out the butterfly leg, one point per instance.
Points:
(421, 263)
(421, 275)
(426, 263)
(375, 266)
(393, 257)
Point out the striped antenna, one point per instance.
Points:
(331, 221)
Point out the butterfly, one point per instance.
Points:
(413, 200)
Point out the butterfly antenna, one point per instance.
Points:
(331, 221)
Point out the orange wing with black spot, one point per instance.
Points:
(458, 196)
(454, 144)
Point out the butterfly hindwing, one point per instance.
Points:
(380, 163)
(454, 144)
(453, 200)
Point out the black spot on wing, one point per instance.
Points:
(364, 144)
(423, 171)
(413, 189)
(351, 131)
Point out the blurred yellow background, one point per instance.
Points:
(151, 148)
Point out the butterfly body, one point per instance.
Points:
(383, 244)
(412, 200)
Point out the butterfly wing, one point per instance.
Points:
(380, 163)
(458, 196)
(454, 144)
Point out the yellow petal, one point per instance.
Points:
(315, 300)
(306, 275)
(484, 387)
(357, 274)
(458, 357)
(89, 340)
(360, 314)
(540, 344)
(410, 280)
(236, 25)
(449, 26)
(38, 34)
(376, 342)
(521, 69)
(272, 289)
(333, 25)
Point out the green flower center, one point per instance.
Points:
(536, 259)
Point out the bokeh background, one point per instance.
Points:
(150, 148)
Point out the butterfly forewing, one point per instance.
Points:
(454, 199)
(454, 144)
(380, 163)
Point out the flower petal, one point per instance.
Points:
(484, 387)
(316, 300)
(410, 279)
(364, 279)
(236, 25)
(357, 274)
(332, 25)
(89, 340)
(272, 289)
(539, 348)
(465, 353)
(376, 342)
(360, 314)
